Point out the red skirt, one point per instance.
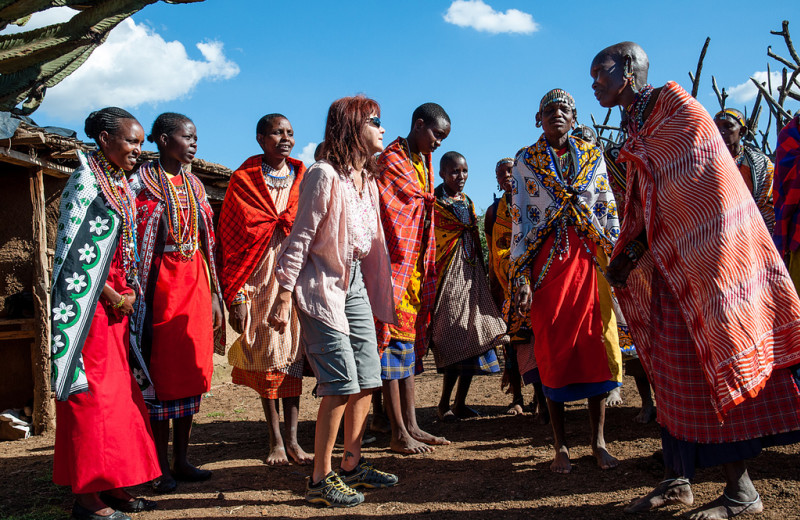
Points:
(565, 317)
(272, 384)
(182, 355)
(103, 437)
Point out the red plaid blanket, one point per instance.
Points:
(248, 220)
(407, 216)
(787, 189)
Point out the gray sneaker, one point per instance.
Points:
(367, 476)
(332, 492)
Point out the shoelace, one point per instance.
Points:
(340, 486)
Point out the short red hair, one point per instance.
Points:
(344, 142)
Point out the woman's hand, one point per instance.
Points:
(216, 312)
(238, 317)
(618, 271)
(278, 317)
(523, 300)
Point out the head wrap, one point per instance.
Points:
(503, 161)
(558, 95)
(733, 114)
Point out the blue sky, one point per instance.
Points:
(258, 56)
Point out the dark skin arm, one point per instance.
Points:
(238, 315)
(621, 266)
(216, 312)
(113, 297)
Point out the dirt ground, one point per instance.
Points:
(497, 466)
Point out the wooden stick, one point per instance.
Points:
(721, 96)
(696, 78)
(788, 40)
(43, 405)
(774, 106)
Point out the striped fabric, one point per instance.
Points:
(406, 210)
(174, 409)
(708, 240)
(273, 384)
(787, 188)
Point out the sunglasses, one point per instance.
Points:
(375, 120)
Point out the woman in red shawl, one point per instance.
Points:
(257, 215)
(179, 308)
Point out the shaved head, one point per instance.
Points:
(630, 56)
(619, 72)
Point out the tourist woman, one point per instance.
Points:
(103, 441)
(336, 265)
(179, 308)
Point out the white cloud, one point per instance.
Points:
(42, 19)
(136, 66)
(747, 91)
(307, 155)
(481, 17)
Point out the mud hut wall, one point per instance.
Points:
(16, 270)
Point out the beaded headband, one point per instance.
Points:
(502, 161)
(732, 113)
(557, 95)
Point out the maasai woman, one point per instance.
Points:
(337, 233)
(465, 320)
(103, 440)
(564, 220)
(499, 241)
(257, 215)
(179, 308)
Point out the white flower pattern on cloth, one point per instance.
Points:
(362, 218)
(76, 282)
(87, 253)
(57, 344)
(99, 225)
(63, 312)
(138, 374)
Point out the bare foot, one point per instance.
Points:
(380, 423)
(277, 457)
(427, 438)
(725, 507)
(465, 412)
(299, 456)
(561, 463)
(514, 409)
(614, 397)
(448, 416)
(668, 492)
(542, 417)
(604, 459)
(646, 415)
(409, 446)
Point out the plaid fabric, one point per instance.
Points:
(248, 220)
(686, 404)
(398, 361)
(272, 384)
(787, 188)
(406, 214)
(175, 409)
(708, 239)
(486, 363)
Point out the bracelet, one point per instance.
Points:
(240, 298)
(634, 250)
(119, 304)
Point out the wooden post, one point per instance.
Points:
(43, 406)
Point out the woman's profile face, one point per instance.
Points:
(181, 144)
(373, 134)
(123, 147)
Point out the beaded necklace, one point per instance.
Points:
(183, 228)
(636, 109)
(118, 195)
(277, 181)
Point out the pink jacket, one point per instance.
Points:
(315, 259)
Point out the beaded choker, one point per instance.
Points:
(118, 195)
(636, 109)
(277, 181)
(183, 228)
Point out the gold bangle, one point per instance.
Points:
(120, 303)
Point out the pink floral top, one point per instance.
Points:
(360, 218)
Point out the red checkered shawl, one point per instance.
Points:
(405, 209)
(709, 242)
(249, 219)
(787, 189)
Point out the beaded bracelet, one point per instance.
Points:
(240, 298)
(635, 250)
(120, 303)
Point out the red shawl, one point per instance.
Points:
(709, 242)
(404, 207)
(249, 219)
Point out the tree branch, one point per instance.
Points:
(696, 78)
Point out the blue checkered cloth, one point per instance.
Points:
(398, 361)
(174, 409)
(486, 363)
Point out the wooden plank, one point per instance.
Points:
(26, 323)
(22, 159)
(16, 334)
(43, 404)
(28, 139)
